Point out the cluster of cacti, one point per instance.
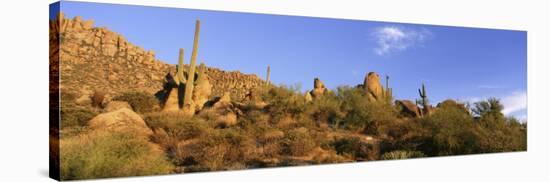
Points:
(188, 80)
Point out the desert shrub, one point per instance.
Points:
(400, 154)
(110, 155)
(175, 127)
(498, 133)
(298, 142)
(355, 148)
(362, 114)
(220, 149)
(325, 109)
(284, 101)
(141, 102)
(408, 135)
(76, 116)
(453, 132)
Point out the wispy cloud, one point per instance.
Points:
(513, 102)
(517, 101)
(391, 39)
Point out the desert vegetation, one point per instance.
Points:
(343, 126)
(189, 125)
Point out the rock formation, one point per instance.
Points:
(318, 88)
(94, 58)
(407, 108)
(308, 97)
(121, 120)
(372, 86)
(203, 89)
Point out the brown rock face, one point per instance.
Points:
(373, 87)
(122, 120)
(408, 108)
(318, 88)
(201, 93)
(95, 58)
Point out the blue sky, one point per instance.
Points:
(468, 64)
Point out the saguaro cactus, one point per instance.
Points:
(424, 97)
(422, 93)
(267, 76)
(187, 99)
(388, 90)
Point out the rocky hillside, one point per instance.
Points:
(95, 58)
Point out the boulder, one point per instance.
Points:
(374, 89)
(84, 100)
(223, 102)
(318, 88)
(308, 97)
(121, 120)
(408, 108)
(201, 93)
(116, 105)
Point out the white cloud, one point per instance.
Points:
(513, 102)
(390, 39)
(517, 101)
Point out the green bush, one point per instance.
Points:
(141, 102)
(284, 100)
(399, 154)
(325, 109)
(76, 116)
(453, 132)
(362, 114)
(298, 142)
(498, 133)
(219, 149)
(110, 155)
(179, 126)
(355, 148)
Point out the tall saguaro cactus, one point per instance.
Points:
(267, 76)
(191, 74)
(425, 105)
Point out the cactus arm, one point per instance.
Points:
(179, 75)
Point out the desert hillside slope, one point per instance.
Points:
(95, 58)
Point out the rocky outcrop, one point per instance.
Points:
(318, 88)
(95, 58)
(407, 108)
(373, 87)
(121, 120)
(202, 91)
